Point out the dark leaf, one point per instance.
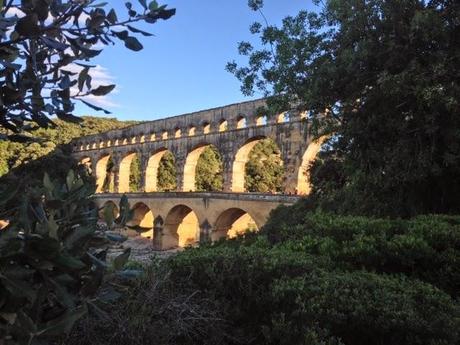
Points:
(133, 44)
(69, 117)
(133, 29)
(102, 90)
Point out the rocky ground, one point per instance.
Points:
(141, 247)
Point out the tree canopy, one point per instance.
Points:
(382, 79)
(45, 50)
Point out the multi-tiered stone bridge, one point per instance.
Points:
(186, 216)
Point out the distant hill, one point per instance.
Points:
(14, 154)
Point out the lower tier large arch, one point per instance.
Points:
(232, 222)
(181, 228)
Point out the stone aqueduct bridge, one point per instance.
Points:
(233, 130)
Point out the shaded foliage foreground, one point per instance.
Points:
(328, 280)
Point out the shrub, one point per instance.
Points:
(282, 296)
(48, 275)
(425, 247)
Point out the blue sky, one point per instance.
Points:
(182, 68)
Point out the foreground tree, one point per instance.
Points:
(382, 78)
(45, 47)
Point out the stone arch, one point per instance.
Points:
(231, 223)
(181, 228)
(177, 132)
(239, 164)
(164, 135)
(152, 137)
(142, 219)
(125, 142)
(206, 127)
(191, 163)
(261, 120)
(303, 175)
(241, 122)
(283, 117)
(101, 172)
(124, 172)
(191, 130)
(142, 139)
(117, 142)
(101, 144)
(109, 143)
(151, 172)
(223, 125)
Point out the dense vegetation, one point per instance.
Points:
(307, 278)
(381, 78)
(14, 154)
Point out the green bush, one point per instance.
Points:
(50, 269)
(425, 247)
(275, 295)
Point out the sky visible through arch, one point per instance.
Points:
(182, 68)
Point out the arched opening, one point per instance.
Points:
(303, 176)
(109, 143)
(125, 142)
(240, 122)
(191, 130)
(153, 137)
(261, 120)
(283, 117)
(223, 125)
(117, 142)
(124, 173)
(203, 169)
(94, 146)
(181, 228)
(167, 173)
(258, 167)
(206, 127)
(142, 139)
(101, 173)
(177, 132)
(142, 220)
(151, 173)
(133, 140)
(164, 135)
(232, 223)
(109, 181)
(101, 144)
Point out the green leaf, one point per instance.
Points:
(64, 323)
(112, 16)
(47, 182)
(135, 30)
(82, 78)
(121, 259)
(70, 179)
(52, 227)
(143, 4)
(153, 5)
(52, 43)
(18, 288)
(68, 117)
(69, 262)
(102, 90)
(95, 107)
(133, 44)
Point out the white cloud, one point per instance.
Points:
(100, 76)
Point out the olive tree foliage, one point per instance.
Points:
(42, 45)
(383, 78)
